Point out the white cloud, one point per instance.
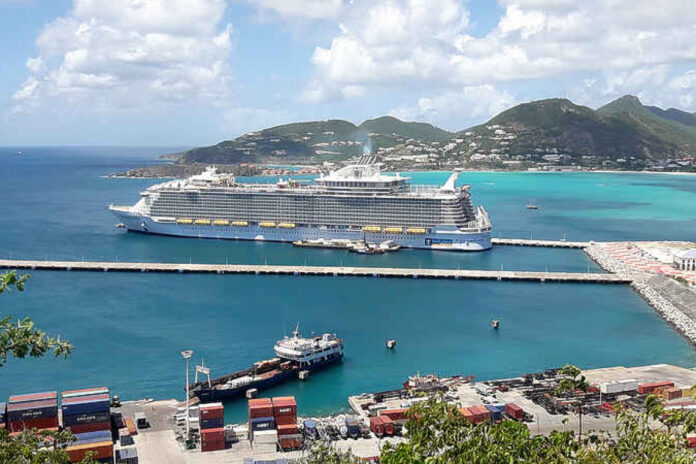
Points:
(456, 110)
(390, 42)
(120, 54)
(304, 9)
(242, 120)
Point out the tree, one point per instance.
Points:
(573, 381)
(19, 341)
(323, 452)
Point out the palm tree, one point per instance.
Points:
(573, 380)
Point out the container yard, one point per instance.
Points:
(149, 431)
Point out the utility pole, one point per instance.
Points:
(186, 354)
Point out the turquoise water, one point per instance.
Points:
(129, 328)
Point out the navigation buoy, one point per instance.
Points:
(495, 323)
(391, 344)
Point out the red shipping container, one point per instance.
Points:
(260, 407)
(376, 426)
(468, 415)
(41, 424)
(93, 427)
(481, 412)
(514, 411)
(284, 405)
(286, 420)
(212, 411)
(101, 450)
(691, 441)
(388, 425)
(672, 393)
(290, 443)
(646, 388)
(211, 433)
(395, 414)
(43, 396)
(287, 429)
(205, 448)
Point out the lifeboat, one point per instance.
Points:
(372, 229)
(266, 224)
(184, 221)
(286, 225)
(415, 231)
(240, 223)
(393, 230)
(221, 222)
(202, 222)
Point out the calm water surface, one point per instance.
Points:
(129, 328)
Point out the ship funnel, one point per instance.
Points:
(449, 186)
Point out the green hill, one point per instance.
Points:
(623, 128)
(314, 141)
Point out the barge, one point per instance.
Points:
(294, 356)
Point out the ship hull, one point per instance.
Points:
(212, 395)
(436, 239)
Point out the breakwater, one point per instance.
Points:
(456, 274)
(663, 304)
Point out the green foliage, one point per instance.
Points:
(23, 338)
(20, 340)
(323, 452)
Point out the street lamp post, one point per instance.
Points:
(186, 354)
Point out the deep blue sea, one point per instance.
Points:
(129, 328)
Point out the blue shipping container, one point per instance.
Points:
(92, 437)
(85, 418)
(496, 414)
(262, 423)
(86, 407)
(212, 423)
(32, 413)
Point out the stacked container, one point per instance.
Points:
(98, 443)
(260, 416)
(86, 410)
(514, 411)
(653, 387)
(211, 422)
(377, 426)
(481, 413)
(285, 416)
(497, 411)
(396, 415)
(35, 410)
(388, 425)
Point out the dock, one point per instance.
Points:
(454, 274)
(539, 243)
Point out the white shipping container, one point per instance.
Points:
(264, 448)
(265, 436)
(618, 386)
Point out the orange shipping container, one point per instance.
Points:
(651, 387)
(671, 393)
(395, 414)
(101, 450)
(468, 415)
(287, 429)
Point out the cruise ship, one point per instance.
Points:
(357, 202)
(295, 357)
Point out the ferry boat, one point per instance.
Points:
(294, 355)
(353, 203)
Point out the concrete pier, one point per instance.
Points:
(539, 243)
(103, 266)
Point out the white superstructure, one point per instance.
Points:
(352, 203)
(307, 352)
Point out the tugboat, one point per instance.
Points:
(294, 355)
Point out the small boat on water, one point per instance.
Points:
(495, 324)
(532, 205)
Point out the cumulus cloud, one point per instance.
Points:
(130, 53)
(305, 9)
(428, 42)
(455, 110)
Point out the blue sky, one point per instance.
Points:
(193, 72)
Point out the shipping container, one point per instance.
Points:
(376, 426)
(287, 444)
(496, 413)
(672, 393)
(619, 386)
(85, 392)
(30, 397)
(395, 414)
(32, 410)
(212, 434)
(90, 404)
(647, 388)
(92, 427)
(286, 420)
(284, 405)
(212, 423)
(89, 418)
(3, 413)
(265, 436)
(103, 450)
(482, 413)
(514, 411)
(127, 456)
(353, 427)
(212, 411)
(287, 429)
(691, 441)
(262, 423)
(388, 425)
(213, 446)
(468, 415)
(260, 407)
(40, 424)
